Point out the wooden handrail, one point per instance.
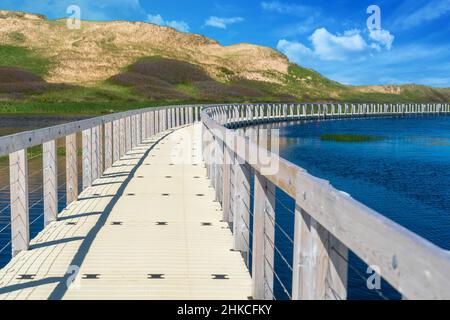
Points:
(328, 222)
(104, 140)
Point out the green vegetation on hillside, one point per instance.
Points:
(156, 81)
(148, 65)
(13, 56)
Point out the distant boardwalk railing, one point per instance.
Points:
(328, 223)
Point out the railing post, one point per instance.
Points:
(218, 160)
(162, 120)
(101, 153)
(152, 123)
(165, 119)
(71, 168)
(123, 137)
(87, 157)
(227, 163)
(241, 210)
(263, 238)
(128, 134)
(116, 140)
(138, 129)
(95, 151)
(155, 122)
(133, 131)
(206, 147)
(20, 225)
(108, 145)
(191, 117)
(212, 165)
(319, 261)
(144, 126)
(50, 180)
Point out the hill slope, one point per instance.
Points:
(103, 62)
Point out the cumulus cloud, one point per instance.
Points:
(159, 20)
(327, 46)
(295, 51)
(383, 37)
(334, 47)
(222, 23)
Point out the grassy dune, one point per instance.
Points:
(155, 81)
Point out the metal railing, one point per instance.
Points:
(328, 223)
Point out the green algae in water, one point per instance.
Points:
(350, 138)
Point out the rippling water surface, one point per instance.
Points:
(405, 175)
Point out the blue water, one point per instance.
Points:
(405, 176)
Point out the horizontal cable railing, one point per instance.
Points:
(89, 148)
(329, 225)
(246, 192)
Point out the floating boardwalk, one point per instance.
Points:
(156, 222)
(149, 228)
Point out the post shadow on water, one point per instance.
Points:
(61, 287)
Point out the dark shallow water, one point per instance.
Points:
(404, 176)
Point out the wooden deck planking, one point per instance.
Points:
(115, 232)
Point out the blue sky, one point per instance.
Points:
(411, 45)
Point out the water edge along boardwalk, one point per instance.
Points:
(151, 225)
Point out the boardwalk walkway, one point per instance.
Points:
(148, 229)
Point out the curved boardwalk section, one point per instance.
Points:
(149, 228)
(153, 221)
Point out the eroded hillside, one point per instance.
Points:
(109, 65)
(100, 50)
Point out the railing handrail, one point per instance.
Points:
(26, 139)
(106, 138)
(411, 264)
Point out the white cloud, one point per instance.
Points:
(334, 47)
(222, 23)
(431, 11)
(159, 20)
(383, 37)
(327, 46)
(296, 51)
(179, 25)
(287, 8)
(156, 19)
